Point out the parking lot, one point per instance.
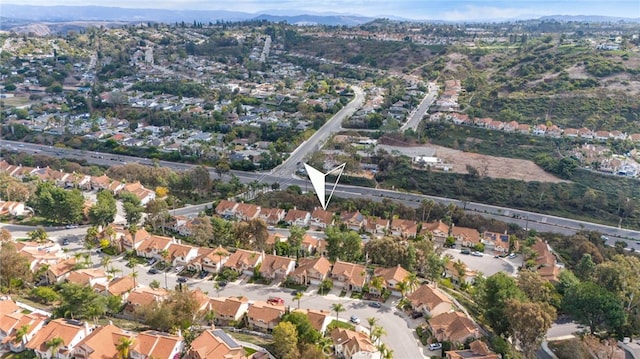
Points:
(486, 264)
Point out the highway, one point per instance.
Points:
(316, 141)
(526, 219)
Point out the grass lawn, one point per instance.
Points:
(253, 339)
(338, 324)
(16, 101)
(249, 351)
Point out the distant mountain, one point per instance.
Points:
(589, 18)
(349, 20)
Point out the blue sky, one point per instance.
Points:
(413, 9)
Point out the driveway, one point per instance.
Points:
(486, 264)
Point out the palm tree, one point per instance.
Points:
(385, 352)
(134, 275)
(372, 322)
(338, 308)
(165, 257)
(217, 287)
(210, 316)
(123, 347)
(377, 333)
(54, 345)
(21, 334)
(105, 261)
(377, 283)
(402, 287)
(412, 281)
(297, 297)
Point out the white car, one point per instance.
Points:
(435, 346)
(354, 319)
(477, 254)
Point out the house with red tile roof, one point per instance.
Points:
(70, 331)
(546, 262)
(311, 271)
(404, 228)
(213, 344)
(101, 343)
(458, 272)
(453, 327)
(247, 211)
(438, 230)
(143, 194)
(477, 350)
(230, 309)
(353, 345)
(276, 267)
(430, 300)
(10, 323)
(144, 296)
(226, 208)
(349, 276)
(390, 278)
(88, 276)
(297, 217)
(468, 237)
(8, 306)
(319, 319)
(243, 261)
(321, 218)
(12, 208)
(264, 316)
(181, 254)
(119, 287)
(152, 246)
(59, 272)
(272, 216)
(127, 242)
(377, 226)
(209, 259)
(157, 345)
(496, 242)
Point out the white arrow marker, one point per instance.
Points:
(318, 180)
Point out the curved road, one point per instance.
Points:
(526, 219)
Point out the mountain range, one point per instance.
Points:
(13, 15)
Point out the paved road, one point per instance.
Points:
(316, 141)
(418, 114)
(526, 219)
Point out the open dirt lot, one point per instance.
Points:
(496, 167)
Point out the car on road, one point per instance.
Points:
(65, 242)
(203, 274)
(354, 319)
(271, 228)
(477, 254)
(153, 271)
(435, 346)
(182, 280)
(152, 261)
(512, 255)
(222, 283)
(71, 226)
(416, 315)
(178, 268)
(275, 301)
(465, 251)
(375, 304)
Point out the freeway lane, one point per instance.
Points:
(316, 141)
(532, 220)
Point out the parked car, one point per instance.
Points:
(375, 304)
(416, 315)
(354, 319)
(435, 346)
(465, 251)
(153, 271)
(178, 268)
(203, 274)
(222, 283)
(275, 301)
(477, 254)
(512, 255)
(182, 280)
(152, 261)
(65, 242)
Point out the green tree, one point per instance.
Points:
(124, 347)
(15, 270)
(306, 333)
(38, 235)
(104, 211)
(54, 345)
(57, 204)
(79, 302)
(338, 308)
(298, 297)
(21, 334)
(529, 323)
(132, 212)
(586, 268)
(496, 290)
(346, 245)
(44, 295)
(537, 289)
(296, 234)
(594, 306)
(285, 341)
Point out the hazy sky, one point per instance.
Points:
(413, 9)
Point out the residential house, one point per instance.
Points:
(243, 261)
(321, 218)
(391, 277)
(128, 242)
(226, 208)
(297, 217)
(10, 323)
(274, 238)
(180, 254)
(453, 327)
(119, 287)
(524, 129)
(38, 254)
(101, 343)
(458, 272)
(310, 244)
(377, 226)
(618, 135)
(88, 277)
(214, 344)
(404, 228)
(311, 271)
(353, 220)
(477, 350)
(553, 131)
(319, 319)
(247, 211)
(349, 344)
(100, 183)
(496, 125)
(264, 316)
(511, 126)
(12, 208)
(439, 231)
(8, 306)
(156, 345)
(276, 267)
(602, 135)
(144, 296)
(143, 194)
(349, 276)
(547, 265)
(467, 237)
(58, 272)
(585, 133)
(153, 246)
(429, 300)
(571, 133)
(70, 331)
(229, 309)
(209, 259)
(540, 130)
(497, 242)
(272, 216)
